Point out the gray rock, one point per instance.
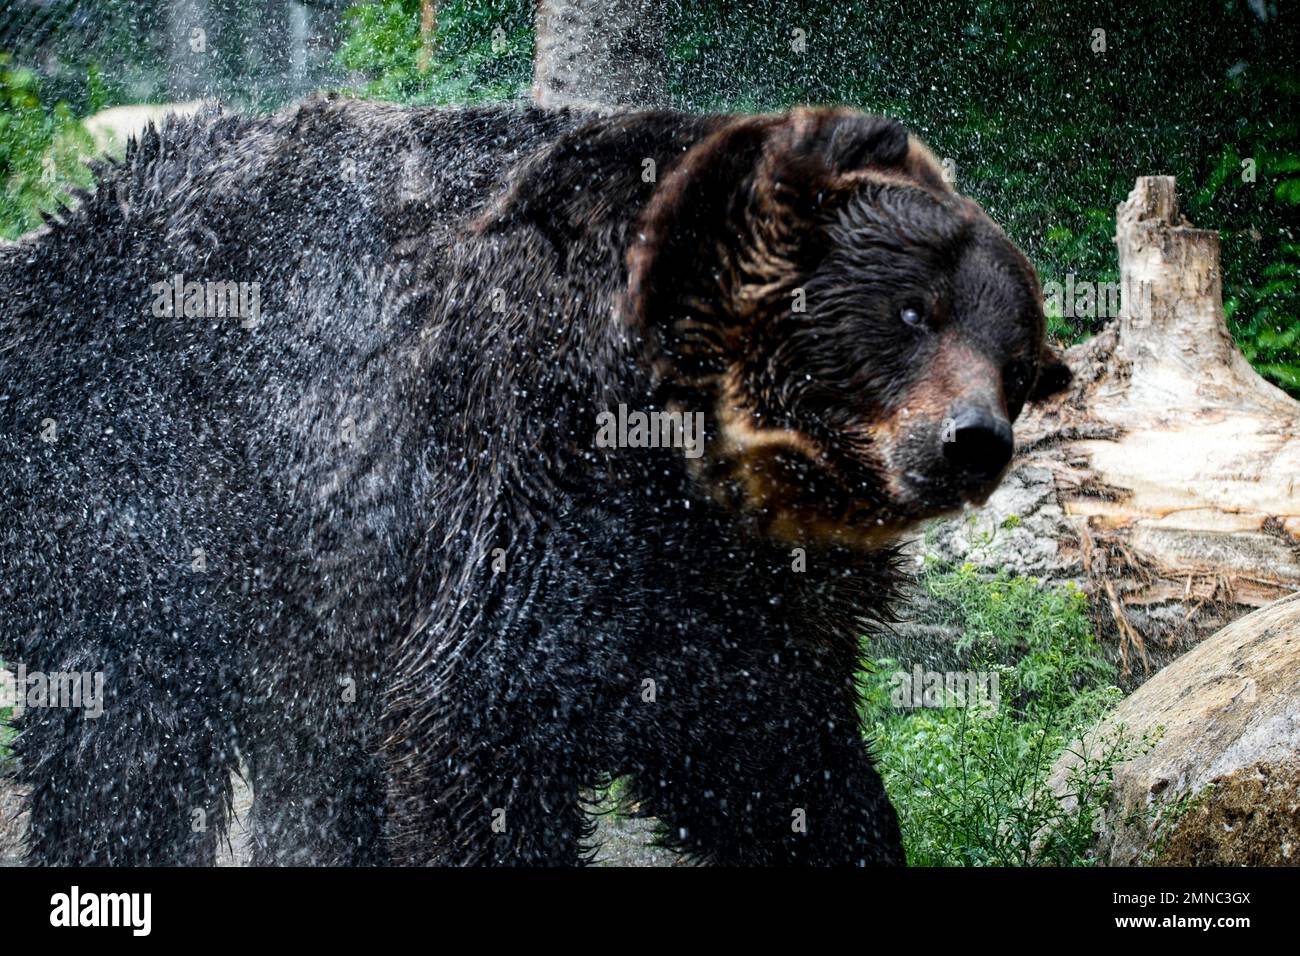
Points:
(1221, 785)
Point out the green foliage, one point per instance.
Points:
(969, 780)
(481, 51)
(42, 148)
(1265, 318)
(613, 798)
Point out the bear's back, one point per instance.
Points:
(135, 436)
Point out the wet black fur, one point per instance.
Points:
(365, 557)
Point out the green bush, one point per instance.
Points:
(1265, 318)
(969, 777)
(42, 151)
(481, 51)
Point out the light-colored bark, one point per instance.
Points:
(428, 27)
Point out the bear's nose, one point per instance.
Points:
(978, 443)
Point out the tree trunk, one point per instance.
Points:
(428, 25)
(602, 54)
(1166, 481)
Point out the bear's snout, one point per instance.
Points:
(978, 443)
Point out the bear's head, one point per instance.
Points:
(859, 336)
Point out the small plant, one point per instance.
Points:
(1163, 818)
(614, 798)
(970, 782)
(42, 149)
(6, 738)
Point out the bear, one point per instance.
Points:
(436, 466)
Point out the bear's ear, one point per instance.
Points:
(821, 152)
(1053, 375)
(840, 142)
(692, 233)
(735, 226)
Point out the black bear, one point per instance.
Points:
(440, 465)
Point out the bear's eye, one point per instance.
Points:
(1016, 376)
(912, 317)
(1015, 382)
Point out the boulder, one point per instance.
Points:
(1221, 783)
